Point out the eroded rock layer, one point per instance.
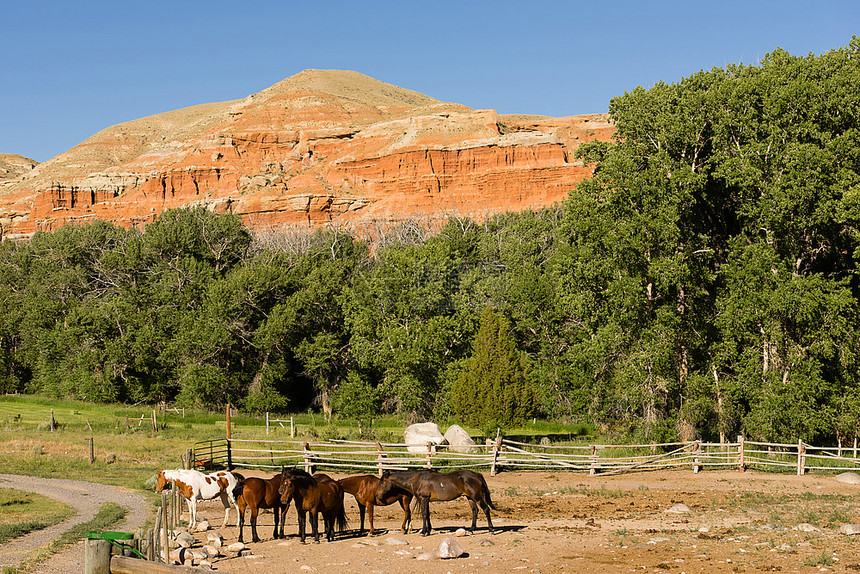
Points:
(319, 146)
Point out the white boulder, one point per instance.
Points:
(418, 435)
(448, 548)
(460, 440)
(848, 477)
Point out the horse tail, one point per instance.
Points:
(486, 490)
(239, 488)
(340, 520)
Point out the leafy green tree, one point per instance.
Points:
(493, 388)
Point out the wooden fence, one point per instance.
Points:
(503, 454)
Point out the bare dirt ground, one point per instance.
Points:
(564, 522)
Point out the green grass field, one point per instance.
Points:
(24, 512)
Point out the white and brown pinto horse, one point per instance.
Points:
(194, 486)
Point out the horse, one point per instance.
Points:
(194, 486)
(427, 485)
(315, 494)
(363, 488)
(256, 493)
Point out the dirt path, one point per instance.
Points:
(86, 498)
(557, 523)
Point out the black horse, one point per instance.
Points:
(426, 485)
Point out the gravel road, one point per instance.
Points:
(86, 498)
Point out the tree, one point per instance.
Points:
(493, 388)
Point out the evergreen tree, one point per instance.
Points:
(493, 388)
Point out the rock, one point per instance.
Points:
(849, 529)
(180, 556)
(448, 548)
(205, 565)
(394, 541)
(426, 556)
(678, 509)
(203, 526)
(848, 477)
(806, 527)
(212, 551)
(459, 440)
(215, 539)
(185, 540)
(418, 435)
(236, 547)
(460, 532)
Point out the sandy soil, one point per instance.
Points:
(556, 523)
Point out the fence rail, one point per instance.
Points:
(375, 457)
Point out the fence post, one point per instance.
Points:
(697, 445)
(429, 464)
(156, 535)
(309, 467)
(229, 454)
(379, 456)
(741, 465)
(593, 467)
(292, 429)
(154, 422)
(801, 458)
(165, 542)
(92, 452)
(189, 458)
(496, 447)
(150, 544)
(97, 557)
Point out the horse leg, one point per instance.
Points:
(328, 527)
(276, 510)
(284, 519)
(301, 514)
(407, 515)
(240, 519)
(254, 511)
(361, 508)
(315, 525)
(474, 506)
(234, 503)
(226, 504)
(424, 504)
(486, 508)
(192, 512)
(370, 518)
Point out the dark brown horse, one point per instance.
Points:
(256, 493)
(363, 488)
(426, 485)
(317, 494)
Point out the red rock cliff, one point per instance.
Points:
(320, 146)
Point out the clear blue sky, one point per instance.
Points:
(72, 68)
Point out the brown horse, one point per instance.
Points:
(256, 493)
(426, 485)
(363, 488)
(317, 494)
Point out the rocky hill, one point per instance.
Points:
(13, 167)
(317, 147)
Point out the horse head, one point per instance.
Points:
(385, 485)
(161, 482)
(287, 490)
